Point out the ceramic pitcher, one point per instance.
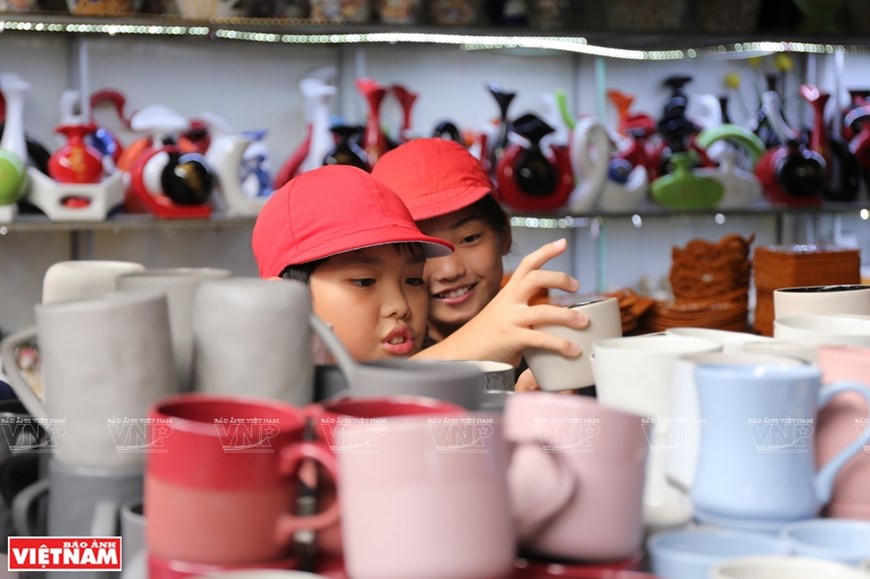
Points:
(757, 459)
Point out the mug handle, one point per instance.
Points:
(22, 505)
(7, 360)
(345, 361)
(105, 520)
(291, 459)
(529, 515)
(826, 476)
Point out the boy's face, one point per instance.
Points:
(375, 299)
(461, 284)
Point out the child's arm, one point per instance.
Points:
(503, 329)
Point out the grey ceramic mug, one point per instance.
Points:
(81, 501)
(457, 382)
(180, 285)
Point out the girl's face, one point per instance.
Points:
(461, 284)
(375, 299)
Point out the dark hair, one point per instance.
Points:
(494, 214)
(302, 271)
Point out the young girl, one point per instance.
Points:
(451, 197)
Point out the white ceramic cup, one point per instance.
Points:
(252, 338)
(801, 350)
(555, 372)
(846, 330)
(731, 341)
(636, 374)
(782, 567)
(180, 285)
(83, 279)
(822, 300)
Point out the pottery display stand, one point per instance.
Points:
(139, 200)
(225, 158)
(96, 200)
(8, 212)
(144, 192)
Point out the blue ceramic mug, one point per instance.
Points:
(757, 455)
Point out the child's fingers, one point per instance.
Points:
(540, 279)
(538, 258)
(545, 314)
(545, 341)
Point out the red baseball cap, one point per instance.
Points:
(433, 176)
(330, 210)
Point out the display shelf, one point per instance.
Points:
(622, 44)
(121, 222)
(544, 220)
(564, 220)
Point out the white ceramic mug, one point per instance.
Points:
(636, 374)
(83, 279)
(781, 566)
(798, 349)
(555, 372)
(731, 341)
(850, 330)
(822, 300)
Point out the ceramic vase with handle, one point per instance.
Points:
(13, 146)
(77, 161)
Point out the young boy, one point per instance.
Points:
(450, 196)
(354, 242)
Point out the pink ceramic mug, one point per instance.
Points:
(221, 479)
(838, 424)
(603, 451)
(355, 424)
(428, 500)
(159, 568)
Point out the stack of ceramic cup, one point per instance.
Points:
(710, 283)
(783, 266)
(106, 356)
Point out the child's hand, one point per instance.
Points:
(527, 383)
(503, 329)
